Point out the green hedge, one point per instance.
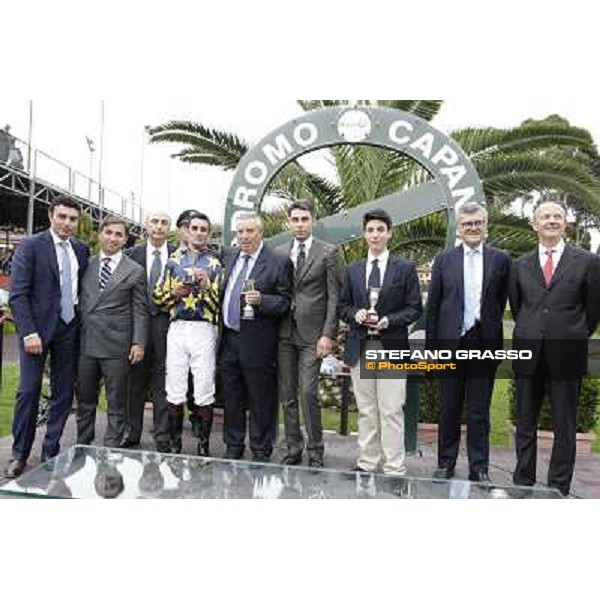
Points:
(587, 413)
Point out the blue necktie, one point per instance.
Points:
(67, 311)
(235, 300)
(471, 284)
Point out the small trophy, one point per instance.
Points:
(188, 276)
(248, 312)
(372, 316)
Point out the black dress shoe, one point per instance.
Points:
(316, 463)
(232, 454)
(261, 458)
(15, 468)
(129, 443)
(46, 456)
(358, 469)
(443, 473)
(292, 459)
(480, 477)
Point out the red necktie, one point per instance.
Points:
(548, 267)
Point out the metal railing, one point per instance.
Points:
(41, 166)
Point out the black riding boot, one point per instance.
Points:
(204, 414)
(175, 427)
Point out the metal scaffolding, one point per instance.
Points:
(37, 182)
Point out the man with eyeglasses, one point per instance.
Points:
(466, 301)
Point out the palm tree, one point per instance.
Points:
(549, 156)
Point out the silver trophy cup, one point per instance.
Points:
(372, 316)
(248, 312)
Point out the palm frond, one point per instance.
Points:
(426, 109)
(518, 174)
(477, 141)
(314, 104)
(294, 182)
(203, 144)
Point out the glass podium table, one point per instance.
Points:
(95, 473)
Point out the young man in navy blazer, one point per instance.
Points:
(380, 401)
(466, 301)
(44, 297)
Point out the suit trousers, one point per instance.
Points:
(472, 384)
(252, 389)
(63, 349)
(380, 404)
(298, 373)
(563, 394)
(115, 372)
(147, 380)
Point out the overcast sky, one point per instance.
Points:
(61, 126)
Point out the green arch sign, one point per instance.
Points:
(455, 180)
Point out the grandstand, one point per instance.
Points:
(37, 180)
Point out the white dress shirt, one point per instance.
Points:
(115, 259)
(295, 245)
(73, 259)
(382, 262)
(164, 257)
(557, 253)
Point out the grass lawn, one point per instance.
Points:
(331, 417)
(499, 414)
(10, 380)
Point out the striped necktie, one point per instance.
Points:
(105, 273)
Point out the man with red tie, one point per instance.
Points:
(554, 295)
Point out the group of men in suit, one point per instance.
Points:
(88, 315)
(554, 297)
(152, 316)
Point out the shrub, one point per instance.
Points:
(587, 407)
(430, 400)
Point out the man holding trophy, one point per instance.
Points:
(380, 298)
(190, 290)
(257, 290)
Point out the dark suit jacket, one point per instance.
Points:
(446, 298)
(399, 301)
(565, 311)
(272, 274)
(315, 296)
(35, 289)
(117, 317)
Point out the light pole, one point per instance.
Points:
(100, 189)
(142, 163)
(31, 170)
(90, 144)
